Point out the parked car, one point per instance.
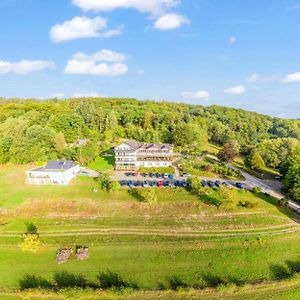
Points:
(212, 184)
(185, 174)
(225, 184)
(157, 175)
(151, 175)
(218, 183)
(204, 183)
(160, 183)
(135, 174)
(239, 185)
(153, 183)
(177, 183)
(167, 184)
(130, 183)
(123, 183)
(171, 176)
(166, 175)
(145, 184)
(129, 174)
(183, 183)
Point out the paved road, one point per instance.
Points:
(268, 186)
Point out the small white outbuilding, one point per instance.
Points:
(54, 172)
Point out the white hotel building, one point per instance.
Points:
(131, 155)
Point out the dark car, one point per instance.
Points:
(123, 183)
(166, 183)
(239, 185)
(151, 175)
(171, 176)
(129, 174)
(153, 183)
(157, 175)
(211, 184)
(218, 183)
(139, 183)
(183, 183)
(204, 183)
(225, 184)
(177, 183)
(130, 183)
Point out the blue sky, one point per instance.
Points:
(243, 54)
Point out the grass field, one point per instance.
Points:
(103, 163)
(180, 236)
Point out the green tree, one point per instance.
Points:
(255, 161)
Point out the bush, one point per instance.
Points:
(247, 203)
(283, 202)
(225, 171)
(31, 228)
(256, 190)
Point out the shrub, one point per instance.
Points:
(30, 243)
(256, 190)
(247, 203)
(31, 228)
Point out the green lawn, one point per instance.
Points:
(103, 163)
(179, 236)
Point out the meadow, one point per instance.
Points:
(179, 237)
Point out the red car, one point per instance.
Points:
(160, 183)
(135, 174)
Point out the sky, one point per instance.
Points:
(243, 54)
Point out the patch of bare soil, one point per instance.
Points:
(63, 255)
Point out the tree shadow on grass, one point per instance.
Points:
(34, 282)
(111, 280)
(69, 280)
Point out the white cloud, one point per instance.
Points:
(255, 78)
(81, 27)
(232, 40)
(103, 63)
(153, 7)
(25, 66)
(294, 77)
(235, 90)
(170, 21)
(196, 95)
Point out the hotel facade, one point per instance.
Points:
(132, 155)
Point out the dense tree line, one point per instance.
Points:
(32, 130)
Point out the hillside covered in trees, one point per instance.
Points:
(33, 131)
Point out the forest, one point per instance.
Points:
(38, 130)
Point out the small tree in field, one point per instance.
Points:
(31, 240)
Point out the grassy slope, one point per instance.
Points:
(145, 259)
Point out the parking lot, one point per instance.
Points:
(146, 180)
